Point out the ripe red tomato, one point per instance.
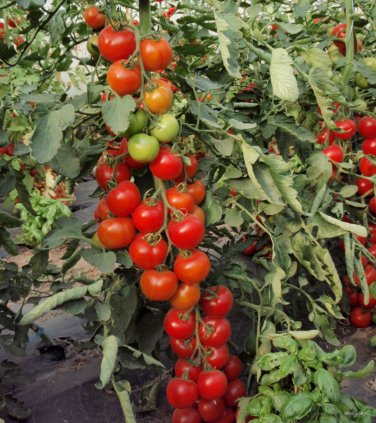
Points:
(192, 267)
(364, 186)
(325, 136)
(369, 146)
(158, 285)
(167, 165)
(158, 97)
(372, 205)
(233, 368)
(214, 331)
(183, 348)
(149, 216)
(124, 80)
(94, 18)
(187, 233)
(190, 170)
(186, 297)
(182, 393)
(184, 369)
(235, 390)
(123, 199)
(249, 251)
(334, 153)
(348, 126)
(371, 303)
(353, 296)
(102, 212)
(198, 212)
(178, 324)
(367, 168)
(360, 318)
(180, 200)
(367, 127)
(338, 29)
(186, 415)
(147, 255)
(211, 410)
(116, 232)
(218, 356)
(372, 233)
(212, 384)
(104, 173)
(228, 416)
(116, 45)
(370, 271)
(156, 54)
(217, 301)
(198, 191)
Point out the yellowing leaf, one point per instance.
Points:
(284, 83)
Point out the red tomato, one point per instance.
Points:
(371, 303)
(325, 136)
(156, 54)
(104, 173)
(372, 233)
(370, 271)
(147, 255)
(180, 200)
(360, 318)
(197, 190)
(124, 80)
(353, 297)
(102, 211)
(187, 233)
(116, 45)
(186, 415)
(12, 23)
(183, 348)
(367, 168)
(19, 40)
(217, 301)
(212, 384)
(338, 29)
(192, 267)
(235, 390)
(233, 368)
(372, 205)
(228, 416)
(214, 331)
(334, 153)
(249, 251)
(369, 146)
(186, 297)
(158, 98)
(190, 170)
(2, 30)
(158, 285)
(178, 324)
(198, 212)
(218, 357)
(182, 393)
(348, 126)
(94, 18)
(110, 131)
(211, 410)
(367, 127)
(167, 166)
(123, 199)
(365, 186)
(116, 232)
(148, 217)
(184, 369)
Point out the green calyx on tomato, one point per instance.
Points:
(137, 122)
(143, 148)
(166, 128)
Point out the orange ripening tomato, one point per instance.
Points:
(197, 190)
(159, 97)
(156, 54)
(117, 232)
(94, 18)
(186, 297)
(124, 80)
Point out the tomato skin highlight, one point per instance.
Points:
(167, 165)
(159, 98)
(369, 146)
(123, 80)
(182, 393)
(186, 297)
(143, 148)
(104, 173)
(147, 256)
(148, 218)
(193, 268)
(217, 301)
(178, 324)
(156, 54)
(117, 232)
(94, 18)
(158, 286)
(360, 318)
(116, 45)
(364, 186)
(212, 384)
(367, 127)
(123, 199)
(187, 233)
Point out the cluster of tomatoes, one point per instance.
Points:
(163, 230)
(12, 24)
(339, 33)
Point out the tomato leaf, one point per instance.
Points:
(285, 85)
(66, 161)
(110, 346)
(116, 113)
(317, 57)
(104, 261)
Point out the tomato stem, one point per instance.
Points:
(145, 19)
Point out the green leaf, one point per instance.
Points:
(367, 370)
(56, 26)
(110, 348)
(122, 390)
(7, 242)
(95, 288)
(275, 279)
(212, 208)
(65, 228)
(288, 126)
(233, 217)
(116, 113)
(48, 133)
(297, 407)
(348, 191)
(327, 384)
(347, 227)
(290, 28)
(285, 85)
(224, 146)
(103, 311)
(102, 260)
(205, 114)
(9, 221)
(39, 262)
(148, 359)
(237, 124)
(317, 57)
(66, 162)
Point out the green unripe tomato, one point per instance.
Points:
(137, 123)
(361, 81)
(92, 46)
(370, 62)
(143, 148)
(166, 128)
